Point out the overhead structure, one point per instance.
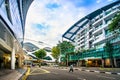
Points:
(90, 36)
(74, 29)
(12, 27)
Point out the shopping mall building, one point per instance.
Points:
(12, 27)
(90, 35)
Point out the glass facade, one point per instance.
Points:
(11, 14)
(2, 7)
(95, 54)
(96, 35)
(17, 27)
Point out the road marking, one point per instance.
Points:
(81, 78)
(108, 72)
(33, 71)
(45, 71)
(97, 71)
(118, 73)
(106, 77)
(88, 70)
(26, 74)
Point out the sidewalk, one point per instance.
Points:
(115, 71)
(8, 74)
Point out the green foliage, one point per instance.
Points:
(114, 26)
(40, 53)
(66, 47)
(108, 47)
(56, 52)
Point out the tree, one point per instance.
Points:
(66, 49)
(114, 26)
(56, 53)
(67, 56)
(109, 49)
(40, 53)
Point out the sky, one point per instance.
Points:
(48, 20)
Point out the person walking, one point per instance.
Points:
(71, 68)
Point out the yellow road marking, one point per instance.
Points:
(45, 71)
(31, 73)
(26, 75)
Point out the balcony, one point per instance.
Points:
(112, 13)
(97, 22)
(99, 39)
(82, 44)
(92, 38)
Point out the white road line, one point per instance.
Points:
(81, 78)
(87, 70)
(108, 72)
(97, 71)
(118, 73)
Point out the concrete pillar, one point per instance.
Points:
(103, 61)
(103, 19)
(19, 61)
(13, 58)
(103, 32)
(78, 63)
(115, 63)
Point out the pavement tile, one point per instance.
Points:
(8, 74)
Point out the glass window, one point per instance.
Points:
(3, 8)
(108, 20)
(98, 26)
(8, 10)
(98, 35)
(108, 11)
(1, 2)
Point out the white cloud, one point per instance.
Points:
(110, 0)
(98, 1)
(58, 20)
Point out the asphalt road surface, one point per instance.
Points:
(51, 73)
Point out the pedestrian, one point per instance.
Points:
(71, 68)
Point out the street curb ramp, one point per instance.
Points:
(25, 74)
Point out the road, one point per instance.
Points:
(51, 73)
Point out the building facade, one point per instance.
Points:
(91, 32)
(12, 27)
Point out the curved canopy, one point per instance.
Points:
(72, 31)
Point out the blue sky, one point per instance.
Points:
(47, 20)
